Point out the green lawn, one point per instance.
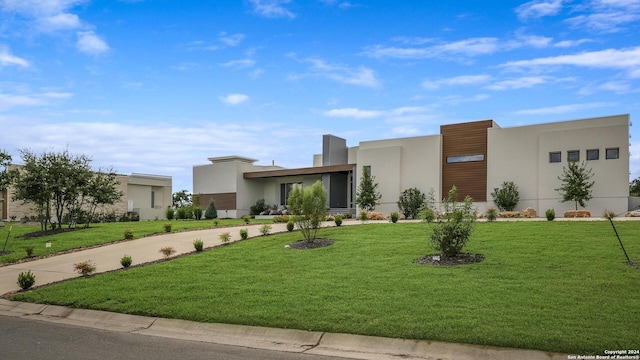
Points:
(96, 234)
(553, 286)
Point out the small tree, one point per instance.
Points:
(634, 187)
(411, 201)
(181, 198)
(308, 207)
(211, 212)
(576, 186)
(5, 175)
(506, 197)
(367, 194)
(453, 231)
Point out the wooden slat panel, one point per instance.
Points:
(224, 201)
(469, 178)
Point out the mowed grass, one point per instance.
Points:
(96, 234)
(553, 286)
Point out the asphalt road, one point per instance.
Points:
(26, 339)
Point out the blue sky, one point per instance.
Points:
(157, 86)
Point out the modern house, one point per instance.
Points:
(476, 157)
(147, 195)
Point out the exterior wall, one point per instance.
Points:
(527, 149)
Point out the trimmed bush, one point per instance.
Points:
(290, 226)
(492, 214)
(265, 229)
(225, 237)
(26, 280)
(167, 227)
(85, 268)
(244, 234)
(394, 217)
(410, 202)
(198, 244)
(170, 213)
(128, 234)
(246, 219)
(550, 214)
(126, 261)
(338, 220)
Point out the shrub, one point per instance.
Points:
(550, 214)
(258, 207)
(410, 202)
(26, 280)
(128, 234)
(29, 250)
(197, 212)
(506, 197)
(246, 219)
(85, 267)
(290, 226)
(181, 213)
(452, 233)
(244, 234)
(308, 206)
(265, 229)
(394, 217)
(170, 213)
(492, 214)
(364, 215)
(338, 220)
(198, 244)
(215, 222)
(428, 215)
(211, 212)
(168, 251)
(126, 261)
(225, 237)
(608, 214)
(167, 227)
(281, 219)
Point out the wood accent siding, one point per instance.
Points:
(316, 170)
(470, 178)
(224, 201)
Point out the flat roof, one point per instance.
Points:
(315, 170)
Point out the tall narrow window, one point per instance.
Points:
(555, 157)
(613, 153)
(153, 199)
(285, 189)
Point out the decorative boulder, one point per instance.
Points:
(635, 213)
(509, 214)
(577, 214)
(529, 213)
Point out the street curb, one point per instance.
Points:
(287, 340)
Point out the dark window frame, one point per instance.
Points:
(456, 159)
(553, 154)
(573, 155)
(591, 152)
(617, 153)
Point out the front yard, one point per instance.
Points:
(553, 286)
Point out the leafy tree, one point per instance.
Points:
(259, 207)
(634, 187)
(197, 210)
(69, 175)
(308, 207)
(32, 185)
(506, 197)
(367, 194)
(102, 189)
(5, 174)
(211, 212)
(181, 199)
(453, 231)
(411, 201)
(576, 186)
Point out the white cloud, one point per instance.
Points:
(607, 16)
(397, 114)
(240, 63)
(9, 101)
(62, 21)
(561, 109)
(272, 8)
(469, 47)
(538, 8)
(456, 81)
(625, 59)
(234, 99)
(90, 43)
(359, 76)
(519, 83)
(7, 58)
(231, 39)
(571, 43)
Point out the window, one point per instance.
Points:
(367, 169)
(613, 153)
(555, 157)
(285, 189)
(593, 154)
(465, 158)
(573, 155)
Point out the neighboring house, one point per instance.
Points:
(147, 195)
(476, 157)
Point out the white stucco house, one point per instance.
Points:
(476, 157)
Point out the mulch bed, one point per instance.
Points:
(306, 245)
(441, 260)
(41, 233)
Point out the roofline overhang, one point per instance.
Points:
(315, 170)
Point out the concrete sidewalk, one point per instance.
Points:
(289, 340)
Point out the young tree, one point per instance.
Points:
(211, 212)
(102, 189)
(367, 194)
(32, 185)
(308, 207)
(181, 198)
(6, 175)
(576, 186)
(507, 196)
(634, 187)
(452, 233)
(411, 201)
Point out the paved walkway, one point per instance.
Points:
(143, 250)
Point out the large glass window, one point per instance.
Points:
(285, 189)
(593, 154)
(465, 158)
(555, 157)
(613, 153)
(573, 155)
